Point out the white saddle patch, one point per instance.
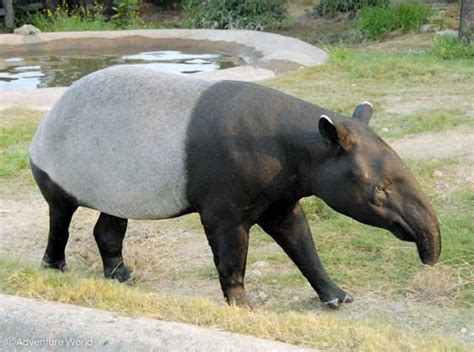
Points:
(116, 141)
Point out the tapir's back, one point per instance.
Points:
(116, 141)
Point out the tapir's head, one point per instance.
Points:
(365, 179)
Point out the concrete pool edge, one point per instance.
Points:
(270, 54)
(27, 323)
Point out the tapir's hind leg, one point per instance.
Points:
(109, 233)
(288, 226)
(61, 208)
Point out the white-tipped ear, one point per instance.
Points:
(327, 118)
(363, 112)
(334, 133)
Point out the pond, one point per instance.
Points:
(45, 70)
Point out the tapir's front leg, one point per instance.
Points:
(287, 224)
(229, 244)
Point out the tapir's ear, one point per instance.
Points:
(335, 133)
(363, 112)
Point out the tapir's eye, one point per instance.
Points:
(379, 189)
(379, 196)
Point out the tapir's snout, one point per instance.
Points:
(429, 247)
(427, 233)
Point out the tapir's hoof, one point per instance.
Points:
(336, 302)
(59, 265)
(121, 273)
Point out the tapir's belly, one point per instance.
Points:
(116, 142)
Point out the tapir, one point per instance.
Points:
(135, 143)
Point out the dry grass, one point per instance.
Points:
(12, 117)
(140, 253)
(441, 284)
(319, 331)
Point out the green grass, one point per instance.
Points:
(319, 331)
(450, 48)
(14, 140)
(352, 76)
(80, 19)
(230, 14)
(376, 22)
(421, 122)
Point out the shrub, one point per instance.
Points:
(64, 19)
(235, 14)
(376, 22)
(167, 4)
(126, 13)
(410, 16)
(449, 48)
(330, 8)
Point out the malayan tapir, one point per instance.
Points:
(135, 143)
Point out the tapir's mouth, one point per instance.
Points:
(428, 244)
(402, 231)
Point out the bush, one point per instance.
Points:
(449, 48)
(167, 4)
(235, 14)
(331, 8)
(376, 22)
(410, 16)
(126, 13)
(64, 19)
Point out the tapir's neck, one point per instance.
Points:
(307, 151)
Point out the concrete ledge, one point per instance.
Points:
(32, 325)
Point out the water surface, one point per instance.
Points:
(45, 70)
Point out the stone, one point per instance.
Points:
(463, 330)
(429, 28)
(447, 33)
(262, 295)
(261, 264)
(437, 173)
(385, 129)
(27, 29)
(254, 273)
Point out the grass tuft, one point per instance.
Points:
(450, 48)
(376, 22)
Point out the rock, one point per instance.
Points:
(437, 173)
(447, 33)
(385, 129)
(254, 273)
(257, 295)
(395, 33)
(27, 29)
(261, 264)
(463, 330)
(429, 28)
(262, 295)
